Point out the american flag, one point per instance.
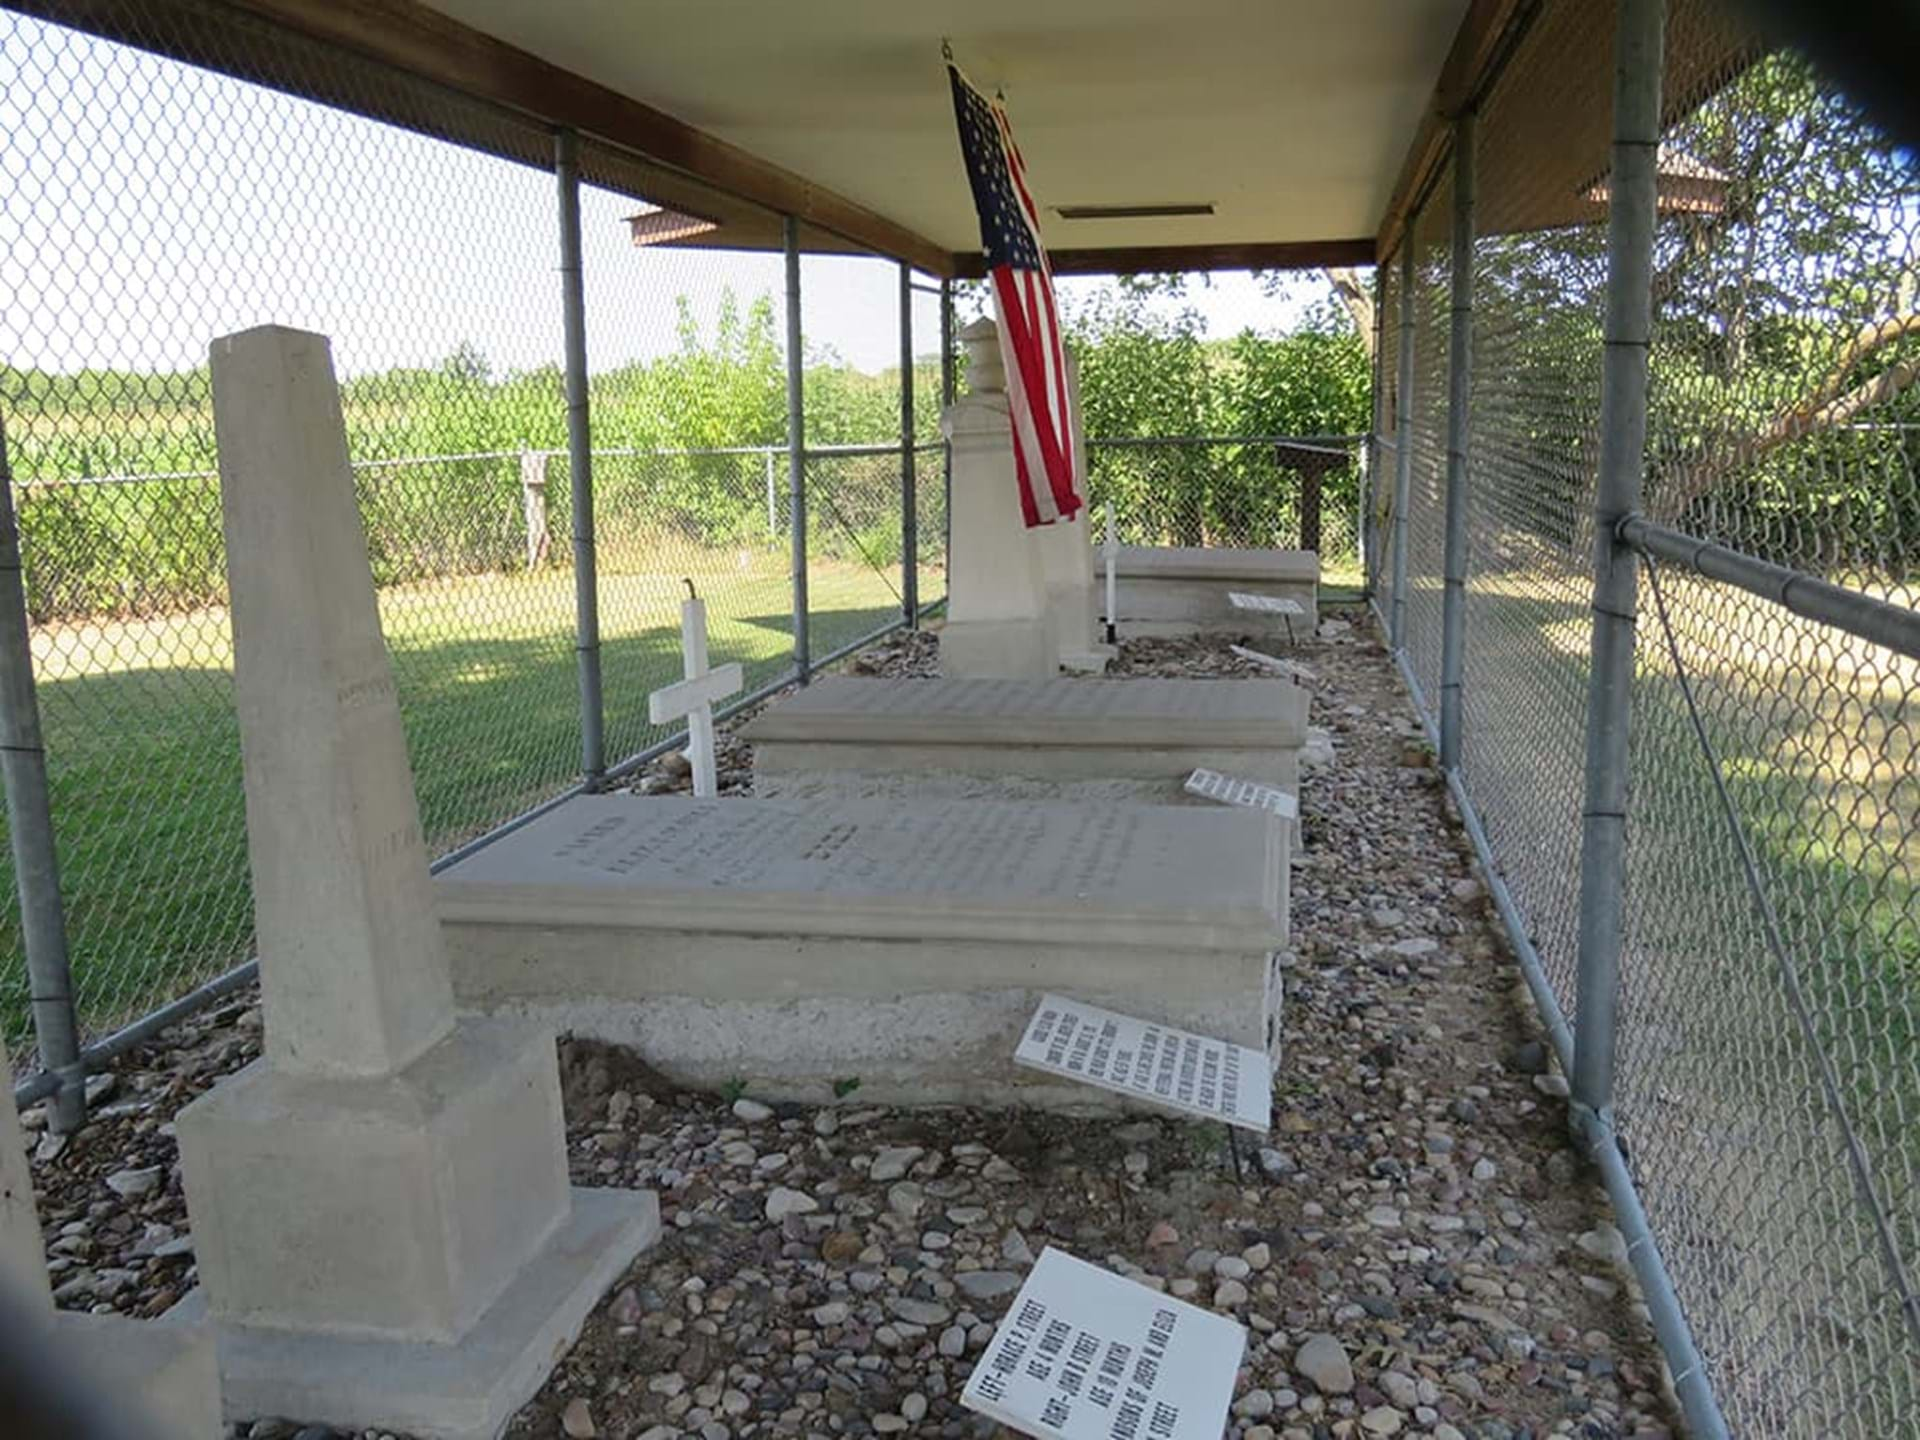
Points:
(1023, 304)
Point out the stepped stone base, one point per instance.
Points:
(468, 1390)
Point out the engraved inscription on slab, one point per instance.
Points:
(1231, 790)
(1269, 604)
(1087, 1355)
(1194, 1074)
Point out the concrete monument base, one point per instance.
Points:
(1019, 649)
(1173, 591)
(165, 1371)
(396, 1206)
(467, 1390)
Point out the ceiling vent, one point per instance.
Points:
(1133, 212)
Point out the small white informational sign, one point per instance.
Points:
(1231, 790)
(1194, 1074)
(1267, 604)
(1086, 1355)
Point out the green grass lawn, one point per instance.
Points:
(144, 760)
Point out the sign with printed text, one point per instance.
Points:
(1268, 604)
(1194, 1074)
(1230, 790)
(1086, 1355)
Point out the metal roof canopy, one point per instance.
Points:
(1309, 126)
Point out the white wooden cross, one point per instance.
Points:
(693, 697)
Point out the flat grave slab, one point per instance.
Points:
(1156, 1064)
(1176, 590)
(796, 944)
(1085, 1354)
(1053, 730)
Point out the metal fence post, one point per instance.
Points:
(1370, 476)
(1638, 53)
(586, 590)
(1453, 614)
(1403, 452)
(796, 452)
(946, 403)
(36, 867)
(909, 516)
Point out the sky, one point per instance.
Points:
(149, 207)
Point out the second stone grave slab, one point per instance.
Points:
(1115, 739)
(1182, 590)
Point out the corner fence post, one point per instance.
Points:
(1453, 615)
(586, 588)
(36, 867)
(1403, 452)
(1638, 50)
(909, 516)
(796, 453)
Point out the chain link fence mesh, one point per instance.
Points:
(1785, 423)
(1769, 1102)
(1278, 491)
(153, 205)
(1426, 509)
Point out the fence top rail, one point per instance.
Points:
(1880, 622)
(1125, 442)
(158, 477)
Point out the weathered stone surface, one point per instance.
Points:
(905, 945)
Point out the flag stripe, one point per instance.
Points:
(1031, 345)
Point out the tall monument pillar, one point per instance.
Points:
(380, 1207)
(996, 591)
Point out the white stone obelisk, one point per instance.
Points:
(163, 1371)
(1066, 562)
(996, 590)
(381, 1214)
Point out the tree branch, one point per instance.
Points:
(1827, 406)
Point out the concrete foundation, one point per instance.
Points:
(1172, 591)
(166, 1371)
(163, 1376)
(398, 1207)
(467, 1390)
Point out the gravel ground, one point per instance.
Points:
(1415, 1251)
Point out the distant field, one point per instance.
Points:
(143, 749)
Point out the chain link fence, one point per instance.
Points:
(1767, 1093)
(154, 205)
(1258, 491)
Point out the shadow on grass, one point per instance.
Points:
(149, 813)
